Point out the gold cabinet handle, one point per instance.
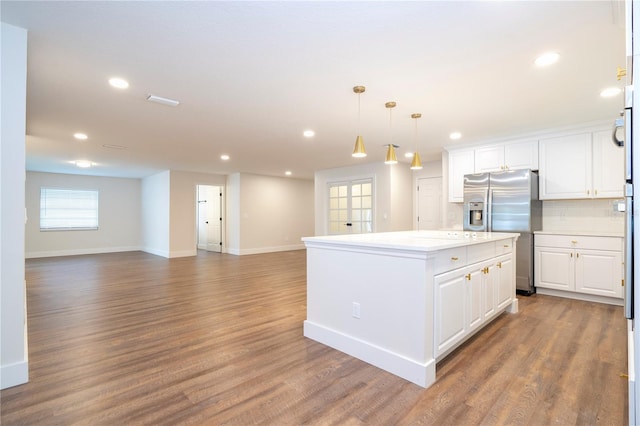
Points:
(506, 246)
(622, 282)
(574, 241)
(499, 265)
(577, 255)
(454, 258)
(468, 277)
(595, 192)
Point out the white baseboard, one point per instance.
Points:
(421, 374)
(76, 252)
(580, 296)
(183, 253)
(14, 374)
(150, 250)
(260, 250)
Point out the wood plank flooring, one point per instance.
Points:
(132, 338)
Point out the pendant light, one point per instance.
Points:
(416, 164)
(391, 152)
(358, 150)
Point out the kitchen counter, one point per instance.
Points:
(402, 301)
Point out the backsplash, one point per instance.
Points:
(582, 215)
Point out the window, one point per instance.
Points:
(351, 207)
(68, 209)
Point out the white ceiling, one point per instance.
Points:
(252, 76)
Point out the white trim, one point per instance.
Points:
(75, 252)
(150, 250)
(421, 374)
(580, 296)
(261, 250)
(14, 374)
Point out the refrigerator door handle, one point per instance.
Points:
(628, 253)
(489, 207)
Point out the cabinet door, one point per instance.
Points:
(450, 295)
(489, 291)
(504, 282)
(608, 167)
(521, 155)
(460, 164)
(565, 167)
(599, 272)
(554, 268)
(489, 159)
(475, 302)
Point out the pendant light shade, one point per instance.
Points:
(416, 164)
(391, 152)
(358, 150)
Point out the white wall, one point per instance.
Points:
(232, 244)
(392, 198)
(183, 214)
(14, 358)
(155, 213)
(274, 213)
(118, 215)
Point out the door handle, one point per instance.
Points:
(207, 222)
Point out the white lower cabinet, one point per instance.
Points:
(468, 297)
(579, 265)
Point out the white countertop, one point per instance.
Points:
(412, 240)
(582, 233)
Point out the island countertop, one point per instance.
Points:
(424, 241)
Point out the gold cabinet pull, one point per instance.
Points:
(454, 258)
(574, 241)
(577, 255)
(499, 265)
(506, 246)
(622, 282)
(468, 277)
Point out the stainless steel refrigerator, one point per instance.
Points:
(506, 201)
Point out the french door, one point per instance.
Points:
(351, 207)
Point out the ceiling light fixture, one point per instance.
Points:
(358, 150)
(84, 164)
(610, 92)
(163, 101)
(391, 152)
(288, 173)
(309, 133)
(455, 135)
(547, 59)
(416, 164)
(224, 157)
(118, 83)
(81, 136)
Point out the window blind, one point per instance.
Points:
(68, 209)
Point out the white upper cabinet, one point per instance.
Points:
(461, 162)
(511, 156)
(608, 167)
(578, 166)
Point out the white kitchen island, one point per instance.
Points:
(403, 300)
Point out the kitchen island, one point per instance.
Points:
(403, 300)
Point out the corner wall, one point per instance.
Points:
(119, 216)
(14, 356)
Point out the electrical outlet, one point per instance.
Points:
(356, 310)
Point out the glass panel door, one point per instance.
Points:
(351, 207)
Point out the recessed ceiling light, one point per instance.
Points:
(309, 133)
(224, 157)
(547, 59)
(118, 83)
(455, 135)
(408, 155)
(610, 92)
(81, 136)
(288, 173)
(83, 164)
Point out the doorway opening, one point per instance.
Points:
(209, 200)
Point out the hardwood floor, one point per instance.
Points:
(132, 338)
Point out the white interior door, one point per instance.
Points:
(429, 203)
(210, 218)
(351, 207)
